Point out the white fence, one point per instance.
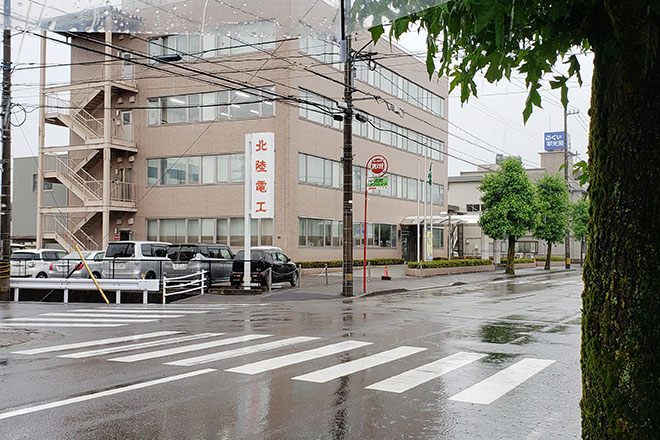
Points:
(184, 284)
(65, 284)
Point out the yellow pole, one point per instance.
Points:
(91, 275)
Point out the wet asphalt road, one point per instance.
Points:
(502, 328)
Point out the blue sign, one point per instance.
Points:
(553, 140)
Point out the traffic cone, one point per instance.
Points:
(386, 276)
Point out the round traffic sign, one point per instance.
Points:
(378, 165)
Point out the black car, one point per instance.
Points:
(263, 259)
(188, 259)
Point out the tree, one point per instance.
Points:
(620, 332)
(552, 207)
(579, 221)
(508, 210)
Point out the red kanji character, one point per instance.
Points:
(260, 166)
(261, 186)
(261, 145)
(261, 207)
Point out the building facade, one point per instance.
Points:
(158, 128)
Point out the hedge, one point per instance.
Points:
(551, 258)
(518, 260)
(450, 263)
(356, 263)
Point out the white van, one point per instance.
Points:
(34, 263)
(135, 259)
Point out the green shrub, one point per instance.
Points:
(356, 263)
(551, 258)
(518, 260)
(450, 263)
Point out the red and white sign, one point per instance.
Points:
(378, 165)
(262, 166)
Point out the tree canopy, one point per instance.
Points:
(552, 207)
(580, 218)
(509, 205)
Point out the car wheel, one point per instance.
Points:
(97, 275)
(294, 279)
(42, 275)
(150, 276)
(235, 285)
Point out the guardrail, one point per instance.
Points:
(66, 284)
(197, 280)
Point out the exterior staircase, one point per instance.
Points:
(56, 228)
(81, 183)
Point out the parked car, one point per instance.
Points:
(263, 258)
(34, 263)
(187, 259)
(135, 259)
(71, 266)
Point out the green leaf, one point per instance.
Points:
(376, 32)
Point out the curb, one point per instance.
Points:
(544, 272)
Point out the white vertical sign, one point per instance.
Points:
(262, 170)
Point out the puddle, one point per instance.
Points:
(508, 333)
(498, 358)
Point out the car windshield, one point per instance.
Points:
(120, 250)
(255, 255)
(182, 253)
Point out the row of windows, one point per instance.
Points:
(314, 232)
(229, 231)
(195, 170)
(377, 130)
(318, 171)
(211, 106)
(381, 78)
(473, 207)
(230, 42)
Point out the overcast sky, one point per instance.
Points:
(478, 129)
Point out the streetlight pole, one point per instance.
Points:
(347, 159)
(567, 239)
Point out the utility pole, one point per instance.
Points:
(567, 239)
(347, 159)
(5, 197)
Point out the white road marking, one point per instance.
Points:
(187, 348)
(139, 346)
(410, 379)
(137, 386)
(295, 358)
(110, 315)
(241, 351)
(99, 320)
(55, 324)
(95, 342)
(169, 312)
(346, 368)
(489, 390)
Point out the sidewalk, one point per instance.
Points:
(314, 287)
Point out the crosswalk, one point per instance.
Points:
(178, 349)
(116, 316)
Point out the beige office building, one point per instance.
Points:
(157, 143)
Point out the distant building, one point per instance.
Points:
(24, 199)
(468, 238)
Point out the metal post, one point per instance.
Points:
(347, 160)
(567, 239)
(326, 274)
(66, 296)
(202, 280)
(270, 279)
(118, 297)
(369, 271)
(16, 292)
(163, 289)
(247, 229)
(145, 297)
(5, 199)
(299, 275)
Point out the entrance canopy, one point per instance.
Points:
(443, 220)
(258, 18)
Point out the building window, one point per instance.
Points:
(193, 170)
(377, 130)
(229, 231)
(438, 237)
(48, 186)
(211, 106)
(313, 232)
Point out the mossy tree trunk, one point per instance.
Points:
(510, 252)
(621, 301)
(548, 254)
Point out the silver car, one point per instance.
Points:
(135, 259)
(71, 266)
(34, 262)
